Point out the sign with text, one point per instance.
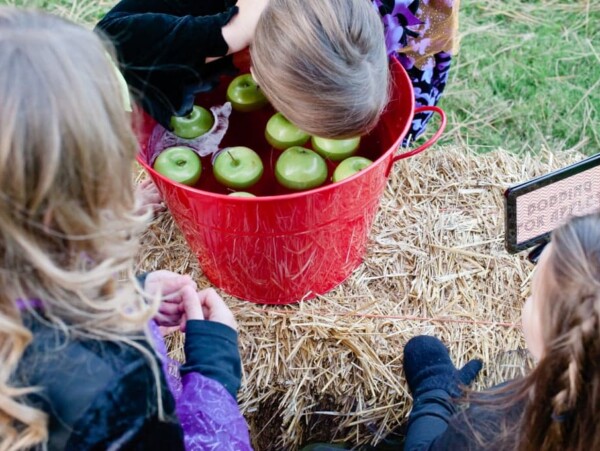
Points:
(534, 208)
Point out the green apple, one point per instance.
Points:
(281, 133)
(241, 194)
(195, 124)
(238, 167)
(299, 168)
(245, 95)
(180, 164)
(335, 149)
(349, 167)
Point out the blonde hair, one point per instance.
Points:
(323, 64)
(68, 225)
(561, 395)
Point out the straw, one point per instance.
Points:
(331, 368)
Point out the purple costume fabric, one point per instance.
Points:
(401, 19)
(210, 417)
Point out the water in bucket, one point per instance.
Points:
(283, 247)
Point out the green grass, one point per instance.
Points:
(85, 12)
(527, 76)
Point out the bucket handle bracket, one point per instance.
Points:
(430, 141)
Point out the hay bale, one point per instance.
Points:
(330, 369)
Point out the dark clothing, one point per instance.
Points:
(435, 424)
(162, 46)
(102, 395)
(209, 346)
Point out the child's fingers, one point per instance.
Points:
(168, 320)
(146, 192)
(211, 299)
(215, 308)
(170, 311)
(167, 283)
(191, 303)
(170, 308)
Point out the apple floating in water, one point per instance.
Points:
(299, 168)
(349, 167)
(180, 164)
(245, 95)
(282, 134)
(335, 149)
(195, 124)
(238, 167)
(241, 194)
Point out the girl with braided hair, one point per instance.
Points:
(557, 405)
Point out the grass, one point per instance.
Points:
(85, 12)
(527, 76)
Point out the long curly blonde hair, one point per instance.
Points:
(68, 221)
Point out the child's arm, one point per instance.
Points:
(206, 405)
(163, 47)
(174, 7)
(434, 383)
(211, 346)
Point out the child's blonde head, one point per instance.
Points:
(67, 221)
(323, 64)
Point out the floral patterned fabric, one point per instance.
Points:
(422, 34)
(210, 417)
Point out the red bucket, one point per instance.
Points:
(286, 247)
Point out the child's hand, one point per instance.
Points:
(239, 31)
(172, 288)
(147, 196)
(210, 306)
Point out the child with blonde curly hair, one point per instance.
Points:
(82, 365)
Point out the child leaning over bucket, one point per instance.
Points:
(322, 63)
(557, 405)
(83, 365)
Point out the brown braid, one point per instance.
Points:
(561, 396)
(565, 406)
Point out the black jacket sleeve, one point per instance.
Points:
(436, 424)
(211, 349)
(173, 7)
(162, 48)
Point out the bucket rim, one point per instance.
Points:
(388, 154)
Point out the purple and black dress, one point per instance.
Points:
(422, 35)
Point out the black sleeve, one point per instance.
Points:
(428, 419)
(174, 7)
(162, 49)
(436, 424)
(211, 349)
